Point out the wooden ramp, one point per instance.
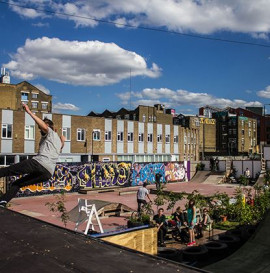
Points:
(103, 208)
(200, 176)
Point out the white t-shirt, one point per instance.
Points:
(141, 193)
(49, 149)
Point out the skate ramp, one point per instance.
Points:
(215, 179)
(200, 176)
(253, 256)
(28, 245)
(260, 180)
(103, 208)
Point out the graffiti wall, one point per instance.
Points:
(170, 171)
(71, 177)
(64, 178)
(104, 174)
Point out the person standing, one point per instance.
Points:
(141, 195)
(41, 167)
(192, 220)
(158, 182)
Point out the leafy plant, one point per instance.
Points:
(243, 180)
(172, 198)
(200, 166)
(59, 206)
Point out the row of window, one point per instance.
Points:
(81, 134)
(120, 136)
(44, 105)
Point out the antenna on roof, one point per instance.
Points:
(130, 89)
(4, 76)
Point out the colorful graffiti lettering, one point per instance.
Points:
(175, 171)
(170, 171)
(62, 179)
(145, 172)
(72, 176)
(103, 174)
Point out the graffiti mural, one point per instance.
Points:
(62, 179)
(71, 177)
(104, 174)
(170, 171)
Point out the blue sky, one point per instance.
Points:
(88, 65)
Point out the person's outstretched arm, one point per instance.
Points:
(41, 124)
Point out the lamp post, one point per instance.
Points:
(92, 156)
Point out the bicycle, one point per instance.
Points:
(146, 210)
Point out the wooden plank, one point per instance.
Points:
(143, 240)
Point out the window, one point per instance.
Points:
(143, 118)
(130, 137)
(24, 96)
(150, 138)
(243, 141)
(34, 104)
(155, 118)
(134, 117)
(167, 139)
(242, 122)
(80, 134)
(44, 106)
(175, 139)
(126, 116)
(108, 135)
(120, 136)
(34, 95)
(249, 133)
(66, 133)
(96, 134)
(223, 128)
(6, 131)
(254, 124)
(140, 137)
(159, 138)
(29, 132)
(249, 124)
(150, 118)
(243, 131)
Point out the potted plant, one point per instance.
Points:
(137, 220)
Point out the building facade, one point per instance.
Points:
(98, 138)
(13, 95)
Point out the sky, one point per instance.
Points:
(108, 54)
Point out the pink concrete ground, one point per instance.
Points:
(35, 206)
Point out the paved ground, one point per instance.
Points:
(35, 206)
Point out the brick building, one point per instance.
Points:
(12, 96)
(206, 128)
(103, 139)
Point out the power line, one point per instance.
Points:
(138, 27)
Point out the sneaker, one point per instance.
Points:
(193, 243)
(190, 244)
(3, 204)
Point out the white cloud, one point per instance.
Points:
(43, 88)
(200, 16)
(263, 36)
(179, 98)
(264, 93)
(65, 106)
(41, 24)
(90, 63)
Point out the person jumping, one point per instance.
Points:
(41, 167)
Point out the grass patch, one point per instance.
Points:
(227, 225)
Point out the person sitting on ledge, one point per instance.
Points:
(161, 224)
